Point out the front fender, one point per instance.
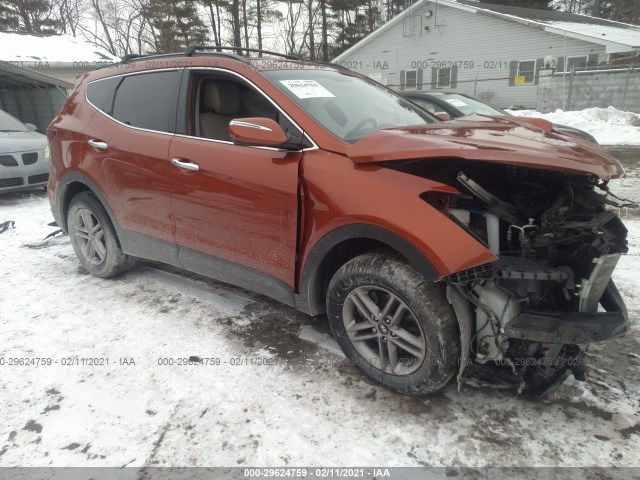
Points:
(336, 193)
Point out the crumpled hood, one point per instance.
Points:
(16, 142)
(498, 140)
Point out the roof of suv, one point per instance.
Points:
(210, 57)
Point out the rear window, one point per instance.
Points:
(141, 100)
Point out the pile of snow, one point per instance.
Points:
(609, 125)
(17, 47)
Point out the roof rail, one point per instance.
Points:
(194, 48)
(130, 56)
(135, 56)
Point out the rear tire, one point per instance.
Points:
(94, 239)
(394, 325)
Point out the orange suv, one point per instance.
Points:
(475, 247)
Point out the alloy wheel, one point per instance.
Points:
(384, 330)
(90, 235)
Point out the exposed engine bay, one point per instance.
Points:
(525, 319)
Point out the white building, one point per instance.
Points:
(477, 48)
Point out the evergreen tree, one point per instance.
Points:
(32, 16)
(354, 20)
(627, 11)
(175, 24)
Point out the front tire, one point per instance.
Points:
(394, 325)
(94, 239)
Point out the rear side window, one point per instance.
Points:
(100, 93)
(148, 100)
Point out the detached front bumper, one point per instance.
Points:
(573, 327)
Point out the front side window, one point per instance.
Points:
(147, 100)
(469, 105)
(426, 104)
(527, 69)
(347, 105)
(444, 78)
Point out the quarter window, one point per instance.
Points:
(100, 93)
(147, 100)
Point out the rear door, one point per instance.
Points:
(236, 216)
(127, 145)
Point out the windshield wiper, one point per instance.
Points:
(13, 130)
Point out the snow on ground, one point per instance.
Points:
(282, 393)
(608, 125)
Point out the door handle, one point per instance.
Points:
(185, 164)
(98, 144)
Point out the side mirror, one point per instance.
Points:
(443, 116)
(31, 127)
(257, 132)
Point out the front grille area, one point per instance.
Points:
(11, 182)
(43, 177)
(29, 158)
(8, 161)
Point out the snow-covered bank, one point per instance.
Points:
(609, 125)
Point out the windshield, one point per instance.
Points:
(348, 106)
(470, 105)
(11, 124)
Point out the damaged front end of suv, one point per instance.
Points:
(526, 318)
(558, 239)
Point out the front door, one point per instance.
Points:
(235, 207)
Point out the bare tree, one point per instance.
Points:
(69, 14)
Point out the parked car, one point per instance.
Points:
(432, 247)
(24, 155)
(457, 105)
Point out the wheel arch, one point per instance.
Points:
(70, 185)
(341, 245)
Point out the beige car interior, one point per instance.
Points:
(220, 101)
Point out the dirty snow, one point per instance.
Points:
(283, 394)
(18, 47)
(609, 126)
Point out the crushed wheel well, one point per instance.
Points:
(341, 254)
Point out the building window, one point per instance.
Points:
(444, 78)
(576, 63)
(527, 69)
(411, 79)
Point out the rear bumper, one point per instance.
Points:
(573, 327)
